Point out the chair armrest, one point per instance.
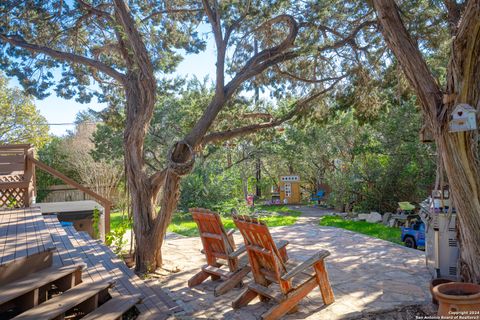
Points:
(240, 250)
(319, 256)
(281, 244)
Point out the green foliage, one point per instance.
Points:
(96, 220)
(20, 121)
(12, 202)
(207, 187)
(386, 163)
(371, 158)
(183, 224)
(375, 230)
(116, 237)
(55, 155)
(70, 27)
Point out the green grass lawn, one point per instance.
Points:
(375, 230)
(116, 219)
(183, 224)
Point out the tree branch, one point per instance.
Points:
(255, 65)
(249, 156)
(135, 39)
(215, 22)
(65, 56)
(295, 77)
(454, 14)
(157, 180)
(237, 132)
(95, 10)
(177, 10)
(257, 115)
(413, 64)
(349, 39)
(267, 57)
(121, 43)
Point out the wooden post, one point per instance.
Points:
(29, 173)
(106, 219)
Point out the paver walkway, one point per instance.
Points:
(367, 275)
(310, 214)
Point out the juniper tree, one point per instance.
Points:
(126, 48)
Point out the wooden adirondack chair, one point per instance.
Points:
(218, 244)
(276, 277)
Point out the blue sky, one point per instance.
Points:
(59, 110)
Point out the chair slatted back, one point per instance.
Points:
(265, 259)
(214, 237)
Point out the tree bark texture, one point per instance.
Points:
(459, 151)
(140, 94)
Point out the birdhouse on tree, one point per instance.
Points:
(426, 135)
(463, 118)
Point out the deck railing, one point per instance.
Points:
(17, 176)
(17, 179)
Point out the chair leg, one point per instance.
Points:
(324, 283)
(291, 301)
(293, 310)
(215, 264)
(244, 298)
(198, 278)
(283, 254)
(234, 281)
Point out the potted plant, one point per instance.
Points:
(457, 296)
(436, 282)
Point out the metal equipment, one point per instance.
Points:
(441, 240)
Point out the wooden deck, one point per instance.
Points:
(26, 233)
(25, 244)
(22, 234)
(76, 247)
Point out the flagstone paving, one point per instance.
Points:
(368, 275)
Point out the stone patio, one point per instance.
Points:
(368, 275)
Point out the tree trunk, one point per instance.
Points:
(140, 95)
(146, 247)
(258, 177)
(459, 151)
(171, 193)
